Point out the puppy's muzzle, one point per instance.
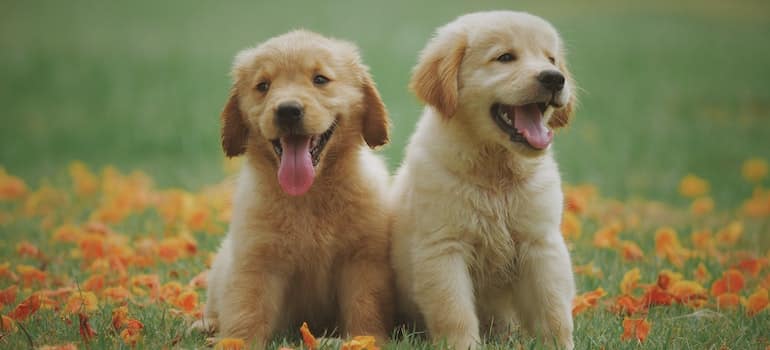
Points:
(288, 116)
(552, 80)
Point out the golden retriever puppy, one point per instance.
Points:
(477, 202)
(308, 239)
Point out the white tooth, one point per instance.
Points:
(505, 115)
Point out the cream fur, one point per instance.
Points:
(476, 218)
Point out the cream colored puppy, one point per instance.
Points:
(477, 203)
(308, 239)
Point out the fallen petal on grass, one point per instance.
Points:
(635, 329)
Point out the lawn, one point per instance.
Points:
(133, 91)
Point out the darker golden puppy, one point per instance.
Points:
(308, 239)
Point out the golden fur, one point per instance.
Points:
(476, 216)
(321, 257)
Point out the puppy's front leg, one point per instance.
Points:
(544, 292)
(251, 305)
(443, 291)
(366, 298)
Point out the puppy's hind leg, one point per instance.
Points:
(443, 291)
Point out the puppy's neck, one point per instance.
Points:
(476, 158)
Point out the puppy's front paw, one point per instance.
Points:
(207, 326)
(462, 342)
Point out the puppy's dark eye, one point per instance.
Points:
(553, 60)
(320, 80)
(506, 57)
(263, 86)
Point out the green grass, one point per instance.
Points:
(666, 89)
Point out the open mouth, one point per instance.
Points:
(317, 143)
(523, 124)
(299, 155)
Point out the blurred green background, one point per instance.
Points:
(667, 88)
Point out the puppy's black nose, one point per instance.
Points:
(551, 79)
(288, 114)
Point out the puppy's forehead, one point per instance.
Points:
(517, 29)
(299, 50)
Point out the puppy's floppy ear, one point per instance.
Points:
(234, 130)
(375, 124)
(435, 79)
(562, 116)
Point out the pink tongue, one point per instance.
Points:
(296, 172)
(529, 122)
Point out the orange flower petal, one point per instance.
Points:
(147, 283)
(656, 296)
(687, 291)
(86, 331)
(702, 274)
(25, 248)
(187, 301)
(570, 225)
(631, 251)
(667, 245)
(94, 283)
(607, 236)
(754, 169)
(360, 343)
(81, 302)
(116, 294)
(753, 265)
(702, 240)
(630, 281)
(92, 246)
(8, 295)
(66, 233)
(170, 291)
(30, 275)
(11, 187)
(665, 241)
(728, 300)
(730, 234)
(589, 270)
(26, 308)
(577, 198)
(84, 181)
(732, 281)
(7, 324)
(635, 329)
(119, 317)
(5, 272)
(757, 302)
(666, 278)
(132, 334)
(587, 300)
(702, 206)
(693, 186)
(307, 337)
(627, 305)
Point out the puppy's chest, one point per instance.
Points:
(499, 230)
